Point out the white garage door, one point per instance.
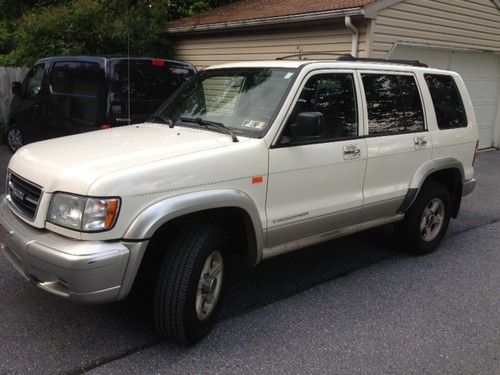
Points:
(481, 73)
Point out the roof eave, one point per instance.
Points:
(270, 21)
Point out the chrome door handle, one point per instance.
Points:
(420, 141)
(351, 152)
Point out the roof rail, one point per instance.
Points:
(385, 61)
(299, 55)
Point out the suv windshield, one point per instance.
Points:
(243, 99)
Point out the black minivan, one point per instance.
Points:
(73, 94)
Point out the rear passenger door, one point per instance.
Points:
(315, 182)
(398, 142)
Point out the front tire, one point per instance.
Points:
(15, 138)
(191, 283)
(426, 222)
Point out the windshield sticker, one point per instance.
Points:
(288, 75)
(254, 124)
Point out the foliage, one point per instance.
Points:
(31, 29)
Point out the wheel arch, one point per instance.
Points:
(448, 171)
(209, 203)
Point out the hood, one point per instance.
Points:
(73, 163)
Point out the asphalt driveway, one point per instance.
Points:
(354, 305)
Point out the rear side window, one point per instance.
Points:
(448, 105)
(73, 78)
(151, 83)
(63, 76)
(394, 104)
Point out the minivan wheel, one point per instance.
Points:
(426, 222)
(191, 283)
(15, 138)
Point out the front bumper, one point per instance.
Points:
(83, 271)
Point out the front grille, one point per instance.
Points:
(23, 195)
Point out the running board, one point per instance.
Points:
(270, 252)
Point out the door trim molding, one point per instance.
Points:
(287, 247)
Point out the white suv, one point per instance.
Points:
(253, 158)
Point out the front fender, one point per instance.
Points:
(152, 218)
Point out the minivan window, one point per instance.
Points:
(394, 104)
(334, 95)
(74, 78)
(34, 80)
(151, 83)
(62, 77)
(448, 105)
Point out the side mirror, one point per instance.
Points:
(307, 124)
(17, 88)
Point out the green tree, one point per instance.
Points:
(66, 27)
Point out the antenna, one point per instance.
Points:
(128, 64)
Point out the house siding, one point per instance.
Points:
(230, 46)
(465, 24)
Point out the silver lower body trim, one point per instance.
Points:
(273, 251)
(469, 186)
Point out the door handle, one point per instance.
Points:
(420, 141)
(351, 152)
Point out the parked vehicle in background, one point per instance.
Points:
(251, 160)
(75, 94)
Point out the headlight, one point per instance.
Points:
(83, 213)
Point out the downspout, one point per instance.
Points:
(355, 36)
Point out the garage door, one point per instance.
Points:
(481, 73)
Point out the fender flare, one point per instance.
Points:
(424, 171)
(159, 213)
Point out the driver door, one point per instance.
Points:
(29, 110)
(316, 182)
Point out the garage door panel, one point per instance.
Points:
(485, 133)
(468, 62)
(482, 90)
(485, 115)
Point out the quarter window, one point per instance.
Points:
(333, 95)
(448, 105)
(394, 104)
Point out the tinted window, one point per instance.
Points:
(448, 105)
(394, 104)
(334, 96)
(73, 78)
(34, 80)
(151, 83)
(89, 80)
(62, 77)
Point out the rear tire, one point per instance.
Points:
(191, 283)
(426, 222)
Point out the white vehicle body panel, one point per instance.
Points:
(297, 195)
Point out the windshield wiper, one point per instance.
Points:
(162, 119)
(207, 124)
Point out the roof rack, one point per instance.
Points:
(360, 59)
(299, 55)
(384, 61)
